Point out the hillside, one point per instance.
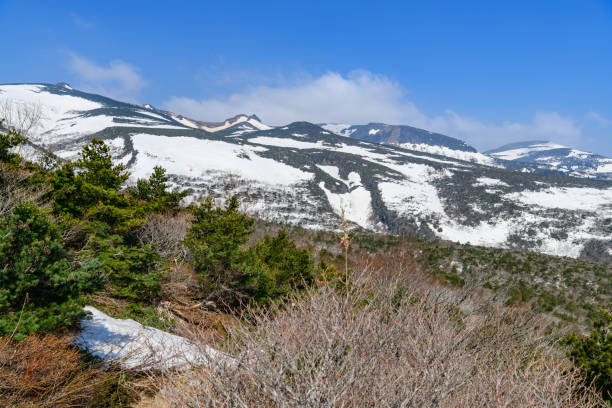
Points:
(163, 299)
(302, 174)
(560, 158)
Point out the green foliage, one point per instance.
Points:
(290, 267)
(232, 274)
(39, 286)
(556, 285)
(8, 140)
(155, 191)
(90, 189)
(114, 393)
(593, 354)
(98, 169)
(92, 181)
(522, 292)
(216, 237)
(132, 272)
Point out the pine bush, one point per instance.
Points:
(40, 286)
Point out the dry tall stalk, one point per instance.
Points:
(345, 240)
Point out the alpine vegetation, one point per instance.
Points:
(147, 258)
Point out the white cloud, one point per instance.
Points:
(81, 22)
(363, 97)
(543, 126)
(598, 118)
(118, 79)
(357, 98)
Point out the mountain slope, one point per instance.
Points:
(413, 139)
(557, 157)
(391, 134)
(303, 174)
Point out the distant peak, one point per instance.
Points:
(64, 85)
(147, 106)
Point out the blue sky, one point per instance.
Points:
(486, 72)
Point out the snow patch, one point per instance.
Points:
(448, 152)
(357, 204)
(486, 181)
(568, 198)
(193, 157)
(331, 170)
(135, 346)
(515, 154)
(281, 142)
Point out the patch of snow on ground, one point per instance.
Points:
(243, 131)
(522, 152)
(569, 198)
(490, 234)
(331, 170)
(191, 157)
(579, 154)
(354, 179)
(357, 204)
(135, 346)
(448, 152)
(486, 181)
(280, 142)
(360, 151)
(414, 195)
(153, 115)
(337, 128)
(373, 131)
(605, 168)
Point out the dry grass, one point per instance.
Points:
(45, 371)
(391, 340)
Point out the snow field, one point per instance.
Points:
(193, 157)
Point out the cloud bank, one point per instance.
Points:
(361, 97)
(118, 79)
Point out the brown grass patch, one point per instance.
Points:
(45, 371)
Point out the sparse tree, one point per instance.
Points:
(22, 117)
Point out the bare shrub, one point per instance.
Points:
(166, 233)
(21, 116)
(387, 341)
(45, 372)
(181, 285)
(13, 191)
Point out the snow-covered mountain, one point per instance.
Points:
(561, 158)
(397, 135)
(413, 139)
(536, 156)
(304, 174)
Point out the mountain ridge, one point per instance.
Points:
(303, 174)
(558, 157)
